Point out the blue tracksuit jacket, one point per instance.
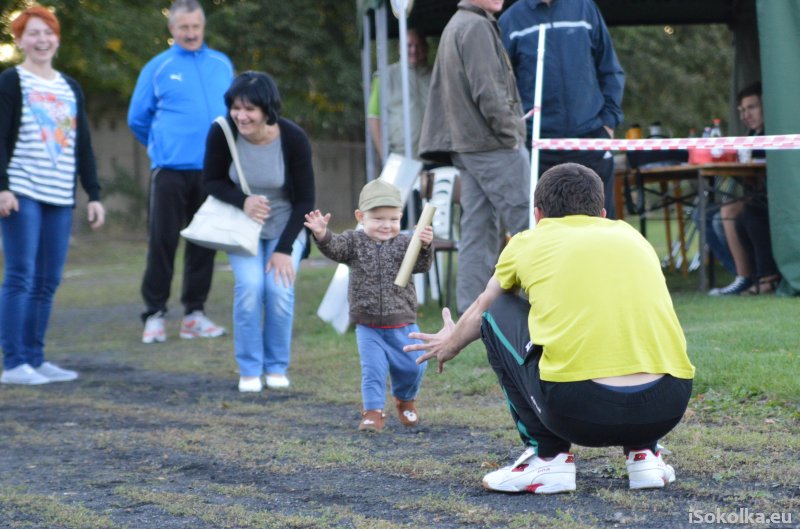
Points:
(177, 96)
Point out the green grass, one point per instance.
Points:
(737, 445)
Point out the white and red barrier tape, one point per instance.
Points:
(776, 142)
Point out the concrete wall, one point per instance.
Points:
(338, 168)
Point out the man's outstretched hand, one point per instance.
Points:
(436, 345)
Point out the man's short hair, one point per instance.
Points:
(569, 189)
(184, 6)
(259, 89)
(753, 89)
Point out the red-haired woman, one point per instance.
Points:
(44, 149)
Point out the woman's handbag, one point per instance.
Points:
(222, 226)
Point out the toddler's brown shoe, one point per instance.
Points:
(372, 420)
(407, 412)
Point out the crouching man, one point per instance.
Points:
(595, 356)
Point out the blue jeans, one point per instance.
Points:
(715, 238)
(381, 353)
(263, 312)
(35, 245)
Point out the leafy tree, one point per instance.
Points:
(103, 44)
(679, 75)
(310, 47)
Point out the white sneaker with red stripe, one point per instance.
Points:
(197, 325)
(154, 329)
(530, 473)
(647, 470)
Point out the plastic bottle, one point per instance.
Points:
(634, 133)
(655, 130)
(701, 156)
(716, 132)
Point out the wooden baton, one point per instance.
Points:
(414, 246)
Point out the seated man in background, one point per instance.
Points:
(596, 356)
(731, 251)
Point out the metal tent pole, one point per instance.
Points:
(402, 5)
(381, 36)
(366, 81)
(537, 121)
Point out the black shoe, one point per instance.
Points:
(739, 285)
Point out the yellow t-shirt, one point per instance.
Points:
(599, 301)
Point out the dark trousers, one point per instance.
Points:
(175, 196)
(752, 226)
(552, 415)
(595, 160)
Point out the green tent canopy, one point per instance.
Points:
(779, 35)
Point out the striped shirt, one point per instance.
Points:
(43, 164)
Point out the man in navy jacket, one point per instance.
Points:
(177, 96)
(582, 80)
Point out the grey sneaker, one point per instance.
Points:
(23, 374)
(54, 373)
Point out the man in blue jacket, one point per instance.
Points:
(583, 80)
(177, 96)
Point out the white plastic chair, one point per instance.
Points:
(444, 195)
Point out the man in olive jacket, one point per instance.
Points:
(474, 120)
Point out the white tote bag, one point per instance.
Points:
(222, 226)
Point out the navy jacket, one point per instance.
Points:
(583, 80)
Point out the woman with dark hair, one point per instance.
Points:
(275, 157)
(44, 148)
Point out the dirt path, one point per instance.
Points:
(68, 460)
(83, 453)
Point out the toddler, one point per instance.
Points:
(384, 314)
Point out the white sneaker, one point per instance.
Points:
(250, 384)
(647, 470)
(197, 325)
(277, 381)
(23, 374)
(54, 373)
(154, 331)
(530, 473)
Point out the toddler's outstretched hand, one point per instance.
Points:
(317, 223)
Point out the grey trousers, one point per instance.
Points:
(495, 188)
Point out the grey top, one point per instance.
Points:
(263, 166)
